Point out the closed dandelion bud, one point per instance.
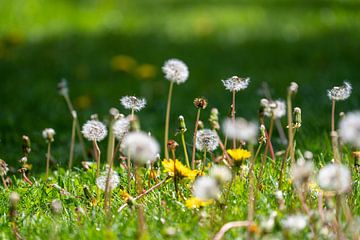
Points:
(262, 134)
(172, 144)
(293, 87)
(200, 103)
(200, 125)
(94, 117)
(114, 112)
(23, 160)
(14, 199)
(297, 120)
(56, 206)
(26, 147)
(182, 125)
(214, 119)
(63, 87)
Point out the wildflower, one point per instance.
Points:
(48, 134)
(335, 177)
(206, 188)
(194, 202)
(133, 103)
(121, 127)
(206, 140)
(239, 154)
(56, 206)
(295, 223)
(236, 83)
(3, 168)
(175, 70)
(94, 130)
(141, 147)
(114, 180)
(222, 174)
(240, 129)
(181, 170)
(349, 128)
(340, 93)
(301, 172)
(125, 196)
(276, 109)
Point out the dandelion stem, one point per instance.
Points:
(167, 120)
(229, 226)
(175, 173)
(4, 182)
(233, 115)
(194, 138)
(110, 160)
(204, 161)
(140, 208)
(333, 115)
(290, 129)
(97, 157)
(251, 199)
(72, 144)
(48, 159)
(129, 172)
(185, 149)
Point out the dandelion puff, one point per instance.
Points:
(48, 134)
(335, 177)
(236, 83)
(133, 103)
(114, 180)
(121, 127)
(295, 223)
(340, 93)
(276, 109)
(240, 129)
(222, 174)
(140, 147)
(301, 172)
(56, 206)
(175, 70)
(206, 188)
(349, 128)
(94, 130)
(206, 140)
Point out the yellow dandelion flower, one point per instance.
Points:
(125, 196)
(146, 71)
(239, 154)
(314, 188)
(122, 63)
(194, 202)
(181, 170)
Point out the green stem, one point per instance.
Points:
(167, 120)
(233, 115)
(194, 138)
(48, 159)
(72, 144)
(185, 149)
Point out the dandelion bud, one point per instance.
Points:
(297, 120)
(63, 87)
(14, 199)
(293, 87)
(182, 125)
(264, 102)
(48, 134)
(26, 147)
(94, 117)
(56, 206)
(200, 125)
(262, 134)
(214, 119)
(114, 112)
(172, 145)
(200, 103)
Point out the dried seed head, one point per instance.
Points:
(221, 174)
(240, 129)
(114, 112)
(114, 180)
(349, 129)
(175, 70)
(295, 223)
(94, 130)
(26, 147)
(121, 127)
(236, 83)
(172, 144)
(335, 177)
(48, 134)
(206, 188)
(200, 103)
(23, 160)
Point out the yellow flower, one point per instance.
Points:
(314, 188)
(123, 63)
(181, 170)
(125, 196)
(194, 202)
(239, 154)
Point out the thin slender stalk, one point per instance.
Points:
(97, 157)
(194, 138)
(283, 163)
(48, 159)
(290, 130)
(204, 161)
(185, 149)
(175, 173)
(4, 182)
(111, 144)
(167, 120)
(333, 115)
(233, 115)
(229, 226)
(72, 144)
(110, 160)
(140, 207)
(251, 199)
(129, 173)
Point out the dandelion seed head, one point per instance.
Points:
(335, 177)
(295, 223)
(240, 129)
(277, 108)
(206, 140)
(140, 147)
(301, 172)
(94, 130)
(222, 174)
(340, 93)
(175, 70)
(121, 127)
(133, 103)
(206, 188)
(236, 83)
(48, 134)
(349, 129)
(114, 180)
(56, 206)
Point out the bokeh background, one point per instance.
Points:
(107, 49)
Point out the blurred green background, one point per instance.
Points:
(107, 49)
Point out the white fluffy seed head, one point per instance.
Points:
(114, 180)
(206, 188)
(293, 87)
(221, 174)
(206, 140)
(94, 130)
(335, 178)
(240, 129)
(48, 134)
(340, 93)
(349, 129)
(274, 108)
(236, 83)
(140, 147)
(175, 70)
(295, 223)
(133, 103)
(121, 127)
(56, 206)
(301, 172)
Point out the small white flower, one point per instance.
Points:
(206, 140)
(340, 93)
(94, 130)
(279, 195)
(301, 172)
(308, 155)
(222, 174)
(240, 129)
(121, 127)
(349, 128)
(274, 108)
(133, 103)
(140, 147)
(236, 83)
(335, 177)
(206, 188)
(48, 134)
(114, 180)
(295, 223)
(175, 70)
